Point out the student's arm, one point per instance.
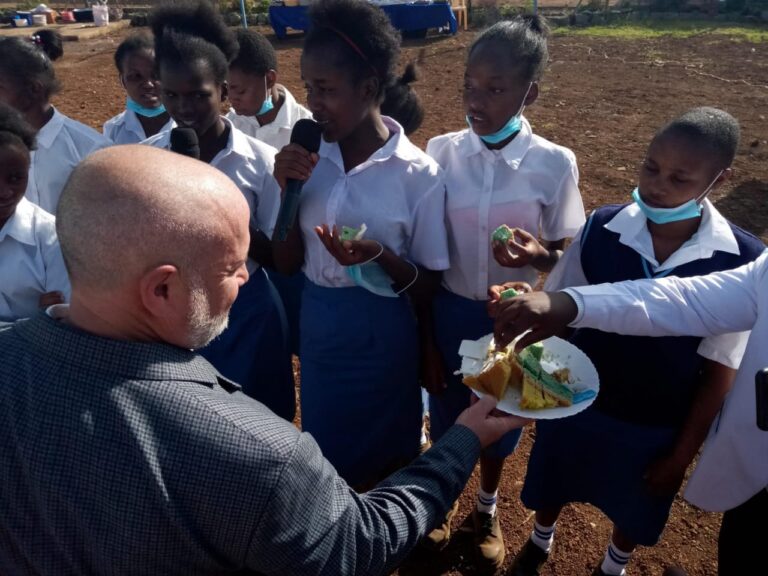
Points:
(523, 249)
(666, 474)
(292, 162)
(717, 303)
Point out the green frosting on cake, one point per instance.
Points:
(509, 293)
(530, 359)
(537, 350)
(502, 234)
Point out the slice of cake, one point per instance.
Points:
(502, 234)
(494, 377)
(534, 396)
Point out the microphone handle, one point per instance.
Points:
(286, 218)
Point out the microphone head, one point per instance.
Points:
(307, 133)
(184, 141)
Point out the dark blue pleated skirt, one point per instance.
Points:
(594, 458)
(360, 396)
(290, 289)
(253, 350)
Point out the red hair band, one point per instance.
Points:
(354, 47)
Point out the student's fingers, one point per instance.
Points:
(50, 298)
(523, 287)
(536, 334)
(523, 236)
(494, 292)
(502, 256)
(324, 234)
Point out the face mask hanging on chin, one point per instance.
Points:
(686, 211)
(134, 106)
(511, 128)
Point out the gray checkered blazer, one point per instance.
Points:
(136, 458)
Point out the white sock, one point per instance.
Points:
(543, 536)
(486, 501)
(615, 560)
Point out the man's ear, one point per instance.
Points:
(162, 292)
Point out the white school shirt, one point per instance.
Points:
(714, 234)
(398, 193)
(125, 128)
(249, 163)
(733, 465)
(531, 184)
(61, 144)
(30, 262)
(278, 132)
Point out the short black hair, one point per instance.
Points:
(134, 43)
(256, 54)
(525, 39)
(402, 103)
(361, 37)
(14, 129)
(712, 130)
(187, 31)
(27, 60)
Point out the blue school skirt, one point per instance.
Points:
(457, 318)
(290, 289)
(594, 458)
(253, 350)
(360, 396)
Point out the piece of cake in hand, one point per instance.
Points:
(502, 234)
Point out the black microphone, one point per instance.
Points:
(184, 141)
(306, 133)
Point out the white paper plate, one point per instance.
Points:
(558, 353)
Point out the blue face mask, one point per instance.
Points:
(267, 106)
(686, 211)
(509, 129)
(142, 111)
(372, 277)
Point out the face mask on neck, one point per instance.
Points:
(509, 129)
(687, 210)
(267, 106)
(142, 111)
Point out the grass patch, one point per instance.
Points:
(671, 28)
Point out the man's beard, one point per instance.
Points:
(203, 327)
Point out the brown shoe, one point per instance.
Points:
(489, 542)
(528, 561)
(440, 536)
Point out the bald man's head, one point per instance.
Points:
(128, 209)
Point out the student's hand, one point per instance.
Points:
(522, 249)
(665, 475)
(487, 423)
(432, 369)
(494, 294)
(50, 298)
(293, 162)
(543, 313)
(348, 252)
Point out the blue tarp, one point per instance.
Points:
(405, 17)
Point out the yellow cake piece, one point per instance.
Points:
(534, 397)
(493, 378)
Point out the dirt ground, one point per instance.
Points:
(603, 98)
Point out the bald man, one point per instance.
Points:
(125, 452)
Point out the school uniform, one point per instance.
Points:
(531, 184)
(278, 134)
(360, 396)
(647, 385)
(126, 128)
(61, 144)
(253, 350)
(30, 262)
